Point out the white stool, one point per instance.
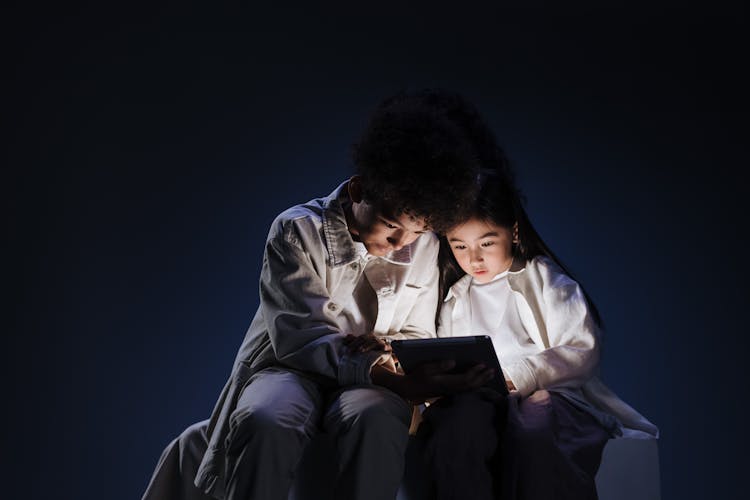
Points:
(629, 470)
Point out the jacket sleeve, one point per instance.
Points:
(300, 317)
(572, 356)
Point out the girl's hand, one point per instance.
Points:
(365, 343)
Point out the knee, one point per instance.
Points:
(372, 412)
(263, 426)
(379, 418)
(193, 439)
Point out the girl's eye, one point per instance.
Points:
(459, 247)
(488, 243)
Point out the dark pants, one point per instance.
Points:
(482, 446)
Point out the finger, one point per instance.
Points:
(365, 346)
(356, 345)
(476, 370)
(372, 345)
(471, 379)
(464, 379)
(479, 372)
(435, 368)
(480, 378)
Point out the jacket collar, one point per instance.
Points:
(342, 249)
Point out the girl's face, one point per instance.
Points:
(482, 249)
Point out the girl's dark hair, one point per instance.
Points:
(500, 202)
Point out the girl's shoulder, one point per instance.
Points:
(549, 272)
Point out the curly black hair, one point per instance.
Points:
(418, 155)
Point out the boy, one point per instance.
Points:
(341, 277)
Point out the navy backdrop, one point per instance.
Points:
(150, 149)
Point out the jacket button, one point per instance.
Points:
(332, 306)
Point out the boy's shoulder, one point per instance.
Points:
(317, 226)
(314, 211)
(311, 210)
(306, 218)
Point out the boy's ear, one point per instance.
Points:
(355, 189)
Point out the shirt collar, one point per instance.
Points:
(460, 287)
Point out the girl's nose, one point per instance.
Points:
(476, 256)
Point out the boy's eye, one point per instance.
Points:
(488, 243)
(389, 225)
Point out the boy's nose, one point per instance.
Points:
(397, 240)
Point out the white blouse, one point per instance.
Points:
(554, 315)
(493, 312)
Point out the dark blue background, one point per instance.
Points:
(149, 149)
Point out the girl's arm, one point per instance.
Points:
(572, 356)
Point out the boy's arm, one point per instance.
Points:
(300, 318)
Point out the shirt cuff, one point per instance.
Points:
(354, 369)
(522, 377)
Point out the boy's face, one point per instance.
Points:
(379, 230)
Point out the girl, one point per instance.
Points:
(545, 440)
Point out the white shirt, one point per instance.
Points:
(493, 312)
(555, 315)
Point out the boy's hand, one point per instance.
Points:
(365, 343)
(432, 380)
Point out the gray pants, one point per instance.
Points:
(280, 411)
(174, 474)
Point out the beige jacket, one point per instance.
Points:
(310, 269)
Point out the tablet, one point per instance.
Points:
(465, 351)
